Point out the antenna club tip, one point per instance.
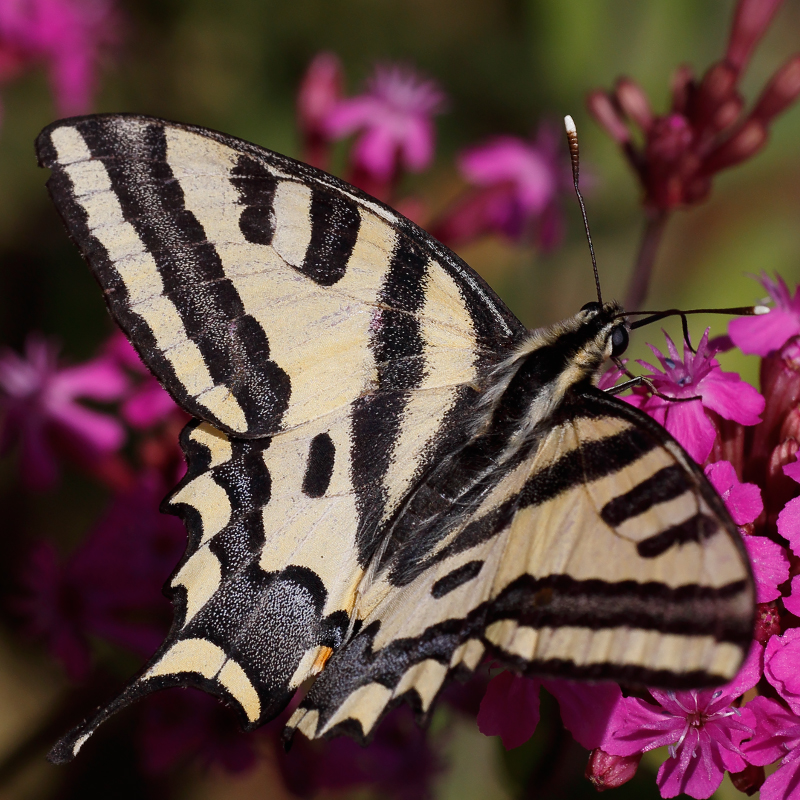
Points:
(569, 124)
(759, 310)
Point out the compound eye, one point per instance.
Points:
(593, 306)
(619, 341)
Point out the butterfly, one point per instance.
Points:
(389, 476)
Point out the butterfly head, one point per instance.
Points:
(607, 330)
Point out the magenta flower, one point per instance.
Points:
(743, 500)
(68, 36)
(110, 587)
(770, 566)
(394, 120)
(698, 382)
(792, 602)
(319, 92)
(789, 518)
(518, 185)
(510, 708)
(701, 728)
(39, 408)
(147, 402)
(781, 661)
(767, 332)
(777, 736)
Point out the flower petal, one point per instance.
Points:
(770, 566)
(690, 425)
(510, 709)
(763, 334)
(586, 709)
(731, 397)
(789, 524)
(780, 666)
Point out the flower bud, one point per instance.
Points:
(780, 92)
(749, 25)
(607, 772)
(749, 780)
(681, 87)
(744, 144)
(768, 621)
(320, 90)
(780, 384)
(603, 110)
(633, 101)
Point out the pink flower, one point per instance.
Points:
(319, 92)
(67, 35)
(767, 332)
(394, 118)
(518, 184)
(697, 375)
(147, 403)
(781, 661)
(510, 708)
(770, 566)
(743, 500)
(789, 518)
(792, 602)
(39, 409)
(777, 736)
(701, 728)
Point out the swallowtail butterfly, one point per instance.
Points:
(388, 475)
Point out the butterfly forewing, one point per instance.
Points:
(330, 346)
(338, 361)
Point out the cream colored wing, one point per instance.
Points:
(263, 293)
(331, 349)
(604, 555)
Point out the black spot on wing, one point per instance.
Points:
(319, 467)
(458, 577)
(265, 622)
(234, 348)
(335, 223)
(256, 185)
(666, 484)
(695, 529)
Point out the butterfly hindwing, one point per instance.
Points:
(604, 554)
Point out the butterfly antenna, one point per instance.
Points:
(572, 138)
(655, 316)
